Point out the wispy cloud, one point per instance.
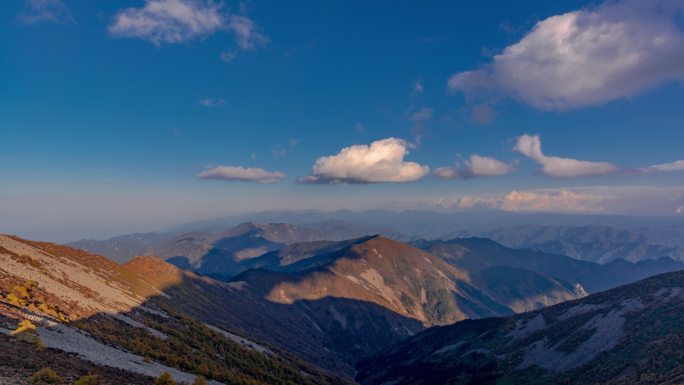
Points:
(247, 33)
(558, 167)
(665, 167)
(178, 21)
(420, 115)
(381, 161)
(209, 102)
(229, 56)
(418, 87)
(236, 173)
(40, 11)
(586, 57)
(476, 166)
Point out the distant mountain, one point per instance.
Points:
(219, 252)
(223, 253)
(479, 255)
(413, 224)
(600, 244)
(596, 238)
(627, 335)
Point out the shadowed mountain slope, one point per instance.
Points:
(630, 334)
(397, 276)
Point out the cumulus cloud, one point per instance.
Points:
(177, 21)
(557, 167)
(249, 174)
(381, 161)
(476, 166)
(586, 57)
(209, 102)
(39, 11)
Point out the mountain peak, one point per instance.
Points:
(155, 270)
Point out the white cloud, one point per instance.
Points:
(212, 102)
(446, 173)
(476, 166)
(562, 200)
(626, 200)
(586, 57)
(177, 21)
(535, 201)
(169, 21)
(249, 174)
(557, 167)
(381, 161)
(38, 11)
(665, 167)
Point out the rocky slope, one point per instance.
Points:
(140, 318)
(391, 274)
(630, 334)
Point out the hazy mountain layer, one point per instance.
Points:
(596, 238)
(479, 255)
(600, 244)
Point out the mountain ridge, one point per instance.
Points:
(629, 334)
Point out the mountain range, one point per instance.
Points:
(315, 305)
(606, 239)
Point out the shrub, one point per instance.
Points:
(14, 300)
(90, 379)
(45, 376)
(24, 326)
(23, 292)
(164, 379)
(199, 380)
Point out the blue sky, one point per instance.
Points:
(117, 116)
